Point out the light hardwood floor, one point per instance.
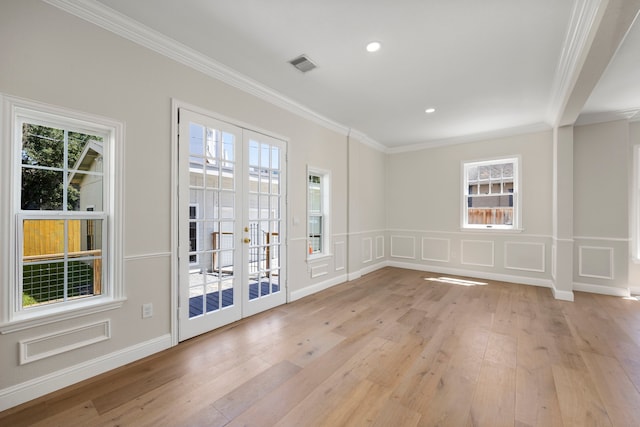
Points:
(390, 349)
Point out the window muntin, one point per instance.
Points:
(62, 175)
(490, 194)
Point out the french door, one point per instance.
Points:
(231, 221)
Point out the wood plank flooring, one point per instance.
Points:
(389, 349)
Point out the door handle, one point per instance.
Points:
(247, 240)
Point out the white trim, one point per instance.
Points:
(326, 192)
(576, 41)
(554, 250)
(562, 295)
(482, 136)
(545, 283)
(94, 308)
(634, 290)
(599, 248)
(339, 261)
(631, 114)
(317, 287)
(413, 247)
(123, 26)
(113, 195)
(319, 270)
(600, 289)
(516, 194)
(447, 259)
(364, 247)
(603, 239)
(493, 255)
(28, 356)
(29, 390)
(379, 247)
(151, 255)
(542, 269)
(518, 233)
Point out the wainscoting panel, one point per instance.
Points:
(379, 247)
(403, 247)
(595, 262)
(477, 252)
(435, 249)
(339, 252)
(367, 250)
(524, 256)
(44, 346)
(319, 270)
(553, 262)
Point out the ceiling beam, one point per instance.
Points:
(611, 24)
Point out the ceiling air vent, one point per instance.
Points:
(303, 63)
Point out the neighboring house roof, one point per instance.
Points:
(92, 151)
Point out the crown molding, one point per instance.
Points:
(463, 139)
(366, 140)
(575, 47)
(631, 114)
(123, 26)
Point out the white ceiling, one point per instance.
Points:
(489, 67)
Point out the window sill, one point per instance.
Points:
(318, 257)
(491, 230)
(51, 316)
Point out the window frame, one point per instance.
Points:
(517, 194)
(325, 186)
(16, 111)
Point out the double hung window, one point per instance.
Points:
(63, 205)
(317, 212)
(490, 194)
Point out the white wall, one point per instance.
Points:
(387, 209)
(55, 58)
(424, 208)
(601, 207)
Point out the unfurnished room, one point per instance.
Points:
(319, 213)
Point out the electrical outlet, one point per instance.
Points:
(147, 310)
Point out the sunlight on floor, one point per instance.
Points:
(455, 281)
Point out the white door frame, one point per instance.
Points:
(176, 105)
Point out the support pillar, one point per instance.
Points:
(562, 234)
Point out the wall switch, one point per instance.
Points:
(147, 310)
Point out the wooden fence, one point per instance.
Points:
(43, 240)
(47, 236)
(490, 215)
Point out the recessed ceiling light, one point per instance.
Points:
(430, 110)
(373, 47)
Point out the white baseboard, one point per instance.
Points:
(310, 290)
(546, 283)
(375, 267)
(634, 291)
(562, 295)
(599, 289)
(29, 390)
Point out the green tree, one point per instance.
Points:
(43, 168)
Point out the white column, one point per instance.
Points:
(562, 245)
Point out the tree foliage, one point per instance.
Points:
(43, 167)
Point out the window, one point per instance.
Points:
(490, 194)
(63, 188)
(317, 212)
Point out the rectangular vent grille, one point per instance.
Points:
(303, 63)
